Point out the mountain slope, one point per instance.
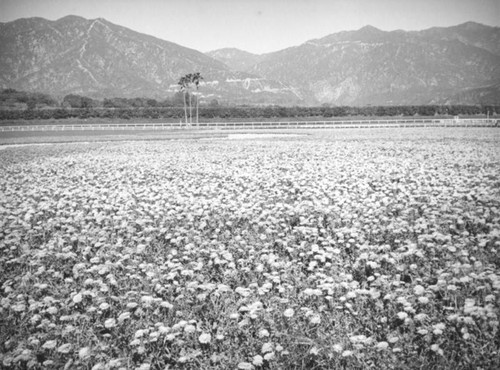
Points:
(236, 59)
(469, 33)
(371, 66)
(100, 59)
(487, 95)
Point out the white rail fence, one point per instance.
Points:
(261, 125)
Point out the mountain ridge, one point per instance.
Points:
(371, 66)
(100, 59)
(96, 58)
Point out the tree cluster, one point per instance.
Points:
(13, 99)
(186, 84)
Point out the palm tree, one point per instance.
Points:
(183, 83)
(196, 78)
(189, 81)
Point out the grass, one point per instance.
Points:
(349, 249)
(23, 137)
(32, 137)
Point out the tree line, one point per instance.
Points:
(13, 99)
(18, 105)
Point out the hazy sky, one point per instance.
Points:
(258, 25)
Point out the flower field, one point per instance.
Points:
(345, 250)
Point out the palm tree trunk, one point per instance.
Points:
(190, 110)
(185, 109)
(197, 104)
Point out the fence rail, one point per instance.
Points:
(466, 122)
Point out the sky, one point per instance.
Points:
(258, 26)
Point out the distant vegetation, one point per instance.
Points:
(20, 105)
(13, 99)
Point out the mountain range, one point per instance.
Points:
(96, 58)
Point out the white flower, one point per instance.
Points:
(257, 360)
(84, 353)
(470, 302)
(65, 348)
(147, 300)
(114, 363)
(419, 290)
(316, 319)
(423, 300)
(245, 366)
(488, 298)
(337, 348)
(166, 305)
(269, 356)
(351, 295)
(382, 345)
(420, 317)
(52, 310)
(243, 292)
(78, 298)
(205, 338)
(311, 292)
(402, 315)
(123, 316)
(132, 305)
(393, 339)
(263, 333)
(110, 323)
(50, 344)
(289, 312)
(136, 342)
(438, 328)
(267, 347)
